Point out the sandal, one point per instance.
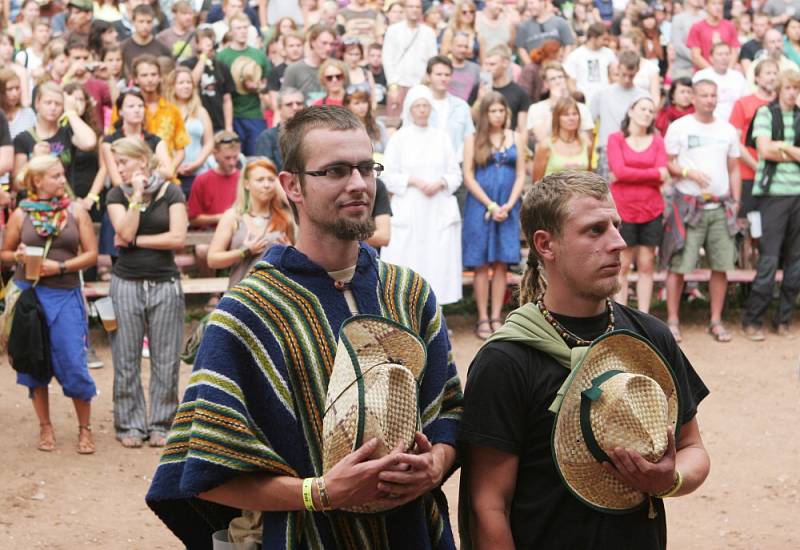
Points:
(675, 330)
(131, 442)
(47, 438)
(719, 333)
(157, 440)
(483, 333)
(494, 322)
(85, 441)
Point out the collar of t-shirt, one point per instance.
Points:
(345, 276)
(588, 328)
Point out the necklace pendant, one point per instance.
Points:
(259, 221)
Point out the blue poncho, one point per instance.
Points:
(256, 398)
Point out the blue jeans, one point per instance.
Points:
(248, 130)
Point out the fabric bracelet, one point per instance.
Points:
(323, 494)
(676, 486)
(685, 173)
(308, 499)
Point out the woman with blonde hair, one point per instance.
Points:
(149, 218)
(567, 148)
(334, 77)
(463, 21)
(182, 91)
(47, 219)
(494, 173)
(258, 219)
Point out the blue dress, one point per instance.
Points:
(487, 241)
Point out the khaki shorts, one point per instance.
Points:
(712, 234)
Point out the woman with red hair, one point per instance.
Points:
(258, 219)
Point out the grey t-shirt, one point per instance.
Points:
(610, 105)
(681, 24)
(532, 34)
(775, 8)
(305, 78)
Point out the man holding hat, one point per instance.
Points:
(299, 413)
(580, 413)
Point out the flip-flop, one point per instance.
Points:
(131, 442)
(483, 334)
(675, 330)
(47, 438)
(719, 333)
(85, 442)
(492, 323)
(157, 440)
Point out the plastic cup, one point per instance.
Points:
(754, 218)
(105, 309)
(34, 256)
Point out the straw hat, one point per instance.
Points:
(622, 394)
(372, 391)
(244, 70)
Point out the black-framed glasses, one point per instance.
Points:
(341, 170)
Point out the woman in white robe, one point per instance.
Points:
(422, 173)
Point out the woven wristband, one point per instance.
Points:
(675, 486)
(308, 499)
(323, 494)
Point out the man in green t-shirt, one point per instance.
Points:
(778, 199)
(248, 118)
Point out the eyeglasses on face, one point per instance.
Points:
(341, 170)
(334, 77)
(465, 12)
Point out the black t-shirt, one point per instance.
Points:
(5, 133)
(60, 144)
(750, 49)
(383, 204)
(518, 100)
(82, 172)
(151, 140)
(508, 391)
(215, 82)
(275, 78)
(146, 263)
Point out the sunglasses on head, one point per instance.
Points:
(333, 77)
(228, 140)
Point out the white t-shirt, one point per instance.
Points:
(540, 115)
(704, 147)
(589, 69)
(730, 87)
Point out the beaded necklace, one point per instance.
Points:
(570, 338)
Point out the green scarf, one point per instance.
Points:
(527, 325)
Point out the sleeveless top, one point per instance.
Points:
(559, 163)
(194, 127)
(362, 86)
(63, 248)
(240, 269)
(493, 35)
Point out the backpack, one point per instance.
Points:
(770, 166)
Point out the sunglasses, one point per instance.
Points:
(334, 77)
(130, 90)
(465, 12)
(342, 170)
(227, 141)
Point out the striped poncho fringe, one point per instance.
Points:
(256, 399)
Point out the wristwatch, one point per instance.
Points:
(62, 268)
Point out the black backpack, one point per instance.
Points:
(770, 166)
(29, 340)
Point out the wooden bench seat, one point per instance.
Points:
(209, 285)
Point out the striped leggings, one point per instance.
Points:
(155, 309)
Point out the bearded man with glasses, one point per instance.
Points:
(248, 435)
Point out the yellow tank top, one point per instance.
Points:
(559, 163)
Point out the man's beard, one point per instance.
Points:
(352, 230)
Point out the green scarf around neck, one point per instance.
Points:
(527, 325)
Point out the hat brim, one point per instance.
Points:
(580, 471)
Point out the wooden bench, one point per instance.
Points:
(203, 285)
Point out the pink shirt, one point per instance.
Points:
(637, 185)
(704, 36)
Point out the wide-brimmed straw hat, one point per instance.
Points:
(244, 70)
(372, 391)
(622, 394)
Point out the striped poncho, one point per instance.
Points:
(256, 398)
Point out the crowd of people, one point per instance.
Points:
(169, 114)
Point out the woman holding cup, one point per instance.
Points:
(48, 216)
(149, 218)
(257, 220)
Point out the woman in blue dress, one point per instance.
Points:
(494, 173)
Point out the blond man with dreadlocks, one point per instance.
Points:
(512, 492)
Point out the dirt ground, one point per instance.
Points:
(750, 425)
